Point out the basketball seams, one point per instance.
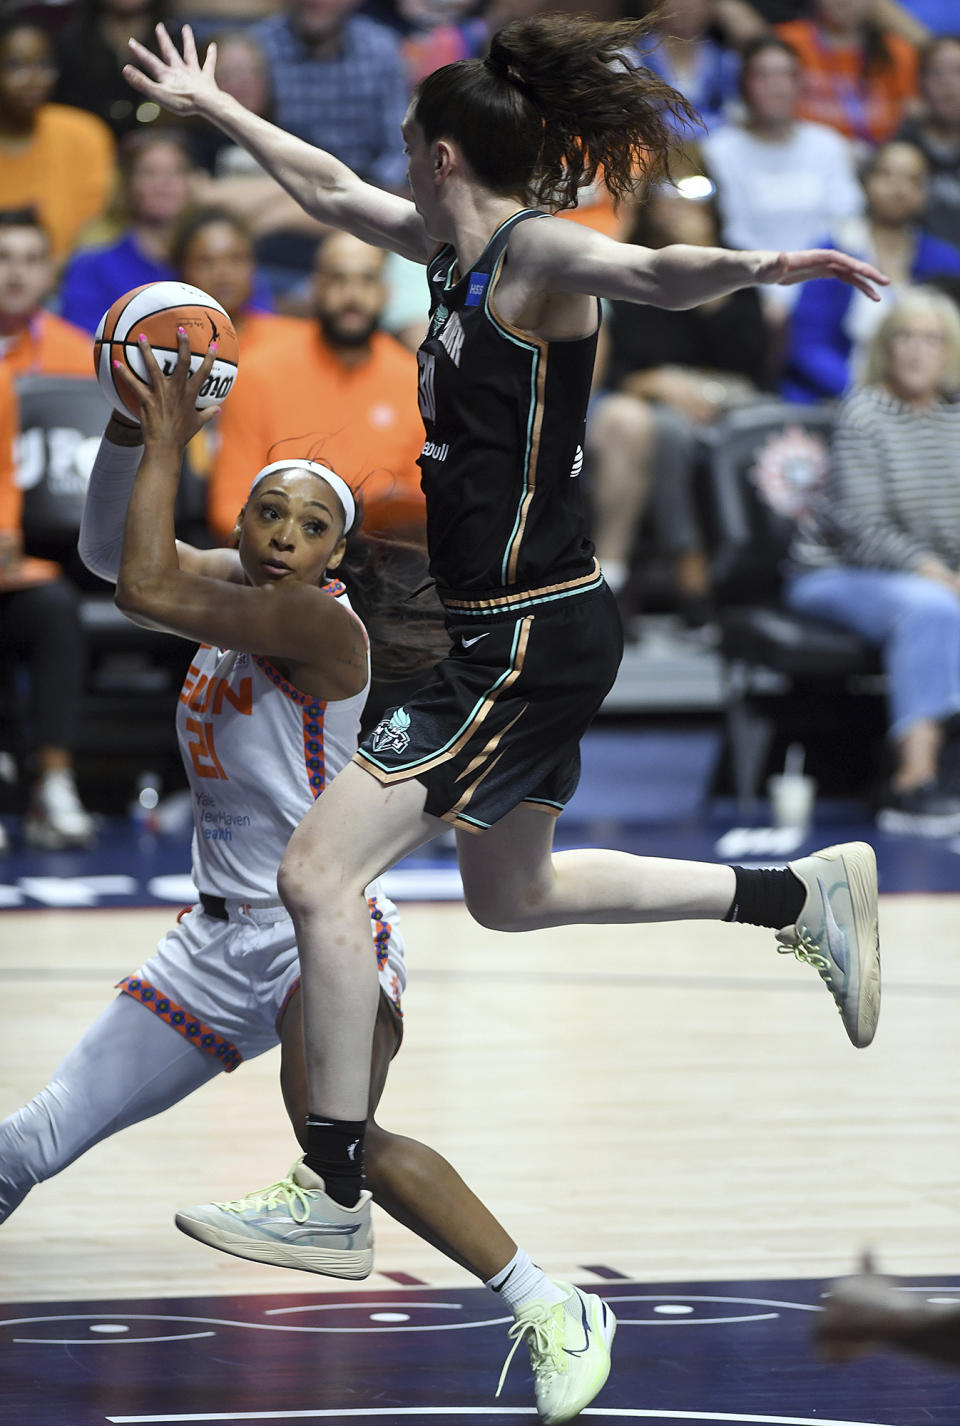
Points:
(194, 313)
(157, 297)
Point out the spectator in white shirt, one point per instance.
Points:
(780, 180)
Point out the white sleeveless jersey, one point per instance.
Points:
(257, 752)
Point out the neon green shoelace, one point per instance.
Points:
(285, 1191)
(807, 951)
(541, 1326)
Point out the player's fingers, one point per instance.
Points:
(166, 46)
(210, 59)
(147, 60)
(149, 360)
(206, 366)
(195, 382)
(862, 285)
(182, 369)
(189, 46)
(129, 378)
(866, 269)
(140, 81)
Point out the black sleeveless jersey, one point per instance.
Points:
(504, 414)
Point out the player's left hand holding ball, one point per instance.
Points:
(168, 404)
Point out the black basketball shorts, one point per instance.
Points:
(499, 721)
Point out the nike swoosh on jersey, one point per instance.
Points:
(475, 640)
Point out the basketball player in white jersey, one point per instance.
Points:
(270, 709)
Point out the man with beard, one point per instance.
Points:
(336, 385)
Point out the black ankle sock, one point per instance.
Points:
(335, 1152)
(766, 896)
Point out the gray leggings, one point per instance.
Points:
(127, 1067)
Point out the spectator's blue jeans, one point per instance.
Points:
(915, 621)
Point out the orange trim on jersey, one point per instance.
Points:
(313, 748)
(187, 1025)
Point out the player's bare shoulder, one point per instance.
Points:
(532, 293)
(328, 657)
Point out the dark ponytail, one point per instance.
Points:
(559, 101)
(386, 581)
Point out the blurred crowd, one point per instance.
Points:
(824, 123)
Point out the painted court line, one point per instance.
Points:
(612, 1413)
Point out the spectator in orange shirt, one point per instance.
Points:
(39, 623)
(31, 338)
(339, 386)
(857, 77)
(58, 159)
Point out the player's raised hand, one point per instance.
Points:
(177, 81)
(786, 269)
(167, 404)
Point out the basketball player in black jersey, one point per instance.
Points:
(491, 744)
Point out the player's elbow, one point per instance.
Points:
(138, 599)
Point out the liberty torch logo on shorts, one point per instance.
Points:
(391, 734)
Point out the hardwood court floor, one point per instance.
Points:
(676, 1102)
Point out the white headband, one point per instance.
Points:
(339, 486)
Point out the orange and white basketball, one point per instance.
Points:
(157, 309)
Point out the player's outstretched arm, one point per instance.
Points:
(323, 186)
(565, 258)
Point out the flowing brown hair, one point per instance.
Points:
(560, 101)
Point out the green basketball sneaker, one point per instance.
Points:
(292, 1223)
(569, 1344)
(836, 932)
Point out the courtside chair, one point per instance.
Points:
(785, 675)
(134, 673)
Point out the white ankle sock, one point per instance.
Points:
(521, 1281)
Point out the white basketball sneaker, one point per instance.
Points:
(837, 933)
(293, 1223)
(569, 1344)
(56, 819)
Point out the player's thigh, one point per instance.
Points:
(508, 866)
(355, 830)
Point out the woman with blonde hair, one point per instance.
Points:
(880, 551)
